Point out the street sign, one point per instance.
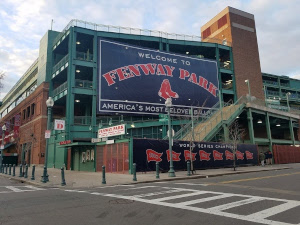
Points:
(95, 140)
(111, 131)
(59, 125)
(163, 118)
(47, 133)
(173, 133)
(65, 142)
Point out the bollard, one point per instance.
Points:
(134, 172)
(103, 175)
(45, 175)
(21, 174)
(157, 170)
(63, 181)
(6, 167)
(26, 171)
(14, 170)
(188, 168)
(33, 171)
(9, 171)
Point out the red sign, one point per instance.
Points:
(249, 155)
(228, 155)
(217, 155)
(65, 142)
(239, 155)
(153, 155)
(187, 155)
(204, 155)
(59, 125)
(175, 156)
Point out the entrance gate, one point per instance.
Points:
(115, 157)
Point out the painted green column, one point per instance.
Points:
(291, 130)
(130, 155)
(250, 126)
(269, 134)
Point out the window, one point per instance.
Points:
(24, 114)
(28, 111)
(222, 21)
(32, 108)
(206, 33)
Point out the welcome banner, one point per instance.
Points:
(139, 80)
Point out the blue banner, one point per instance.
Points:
(139, 80)
(147, 152)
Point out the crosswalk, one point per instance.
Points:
(215, 203)
(14, 189)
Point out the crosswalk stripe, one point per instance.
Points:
(135, 188)
(14, 189)
(191, 184)
(156, 193)
(204, 199)
(181, 196)
(236, 204)
(274, 210)
(34, 188)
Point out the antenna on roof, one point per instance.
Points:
(52, 21)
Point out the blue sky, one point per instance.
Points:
(24, 22)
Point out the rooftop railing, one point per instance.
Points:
(134, 31)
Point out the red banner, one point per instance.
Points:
(187, 155)
(204, 156)
(153, 155)
(239, 155)
(175, 156)
(217, 155)
(249, 155)
(228, 155)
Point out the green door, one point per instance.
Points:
(76, 160)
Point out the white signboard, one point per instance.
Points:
(111, 131)
(59, 125)
(47, 133)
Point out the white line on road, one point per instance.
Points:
(181, 196)
(195, 201)
(191, 184)
(236, 204)
(14, 189)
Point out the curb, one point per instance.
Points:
(23, 180)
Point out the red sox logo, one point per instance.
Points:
(165, 90)
(153, 155)
(204, 155)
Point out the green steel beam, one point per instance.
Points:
(250, 125)
(291, 131)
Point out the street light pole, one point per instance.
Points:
(49, 104)
(287, 100)
(168, 104)
(248, 83)
(1, 158)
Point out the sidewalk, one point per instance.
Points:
(79, 179)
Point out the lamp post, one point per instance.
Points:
(49, 104)
(287, 100)
(3, 134)
(168, 105)
(248, 83)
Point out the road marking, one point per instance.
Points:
(14, 189)
(156, 193)
(236, 204)
(191, 184)
(34, 188)
(258, 178)
(205, 199)
(257, 217)
(181, 196)
(275, 210)
(139, 188)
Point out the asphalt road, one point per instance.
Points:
(256, 198)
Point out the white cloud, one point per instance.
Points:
(23, 23)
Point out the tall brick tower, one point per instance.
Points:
(238, 28)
